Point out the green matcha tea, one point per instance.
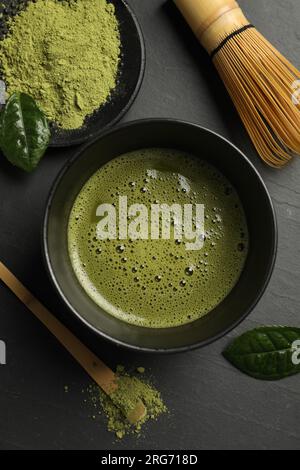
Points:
(157, 282)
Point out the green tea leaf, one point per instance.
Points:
(24, 132)
(266, 353)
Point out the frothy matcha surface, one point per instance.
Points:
(158, 283)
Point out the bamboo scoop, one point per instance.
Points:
(98, 371)
(261, 82)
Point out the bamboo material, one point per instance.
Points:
(212, 20)
(258, 78)
(98, 371)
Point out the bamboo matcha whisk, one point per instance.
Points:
(258, 78)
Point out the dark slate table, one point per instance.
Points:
(212, 405)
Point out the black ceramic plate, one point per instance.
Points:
(130, 77)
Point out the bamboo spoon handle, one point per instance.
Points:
(212, 20)
(99, 372)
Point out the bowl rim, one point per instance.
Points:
(111, 339)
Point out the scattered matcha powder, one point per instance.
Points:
(130, 390)
(65, 54)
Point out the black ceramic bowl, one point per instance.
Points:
(257, 205)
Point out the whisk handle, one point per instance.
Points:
(212, 20)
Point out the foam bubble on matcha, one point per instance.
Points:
(159, 283)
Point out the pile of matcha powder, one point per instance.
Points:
(124, 399)
(65, 54)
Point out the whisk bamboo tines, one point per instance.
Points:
(259, 79)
